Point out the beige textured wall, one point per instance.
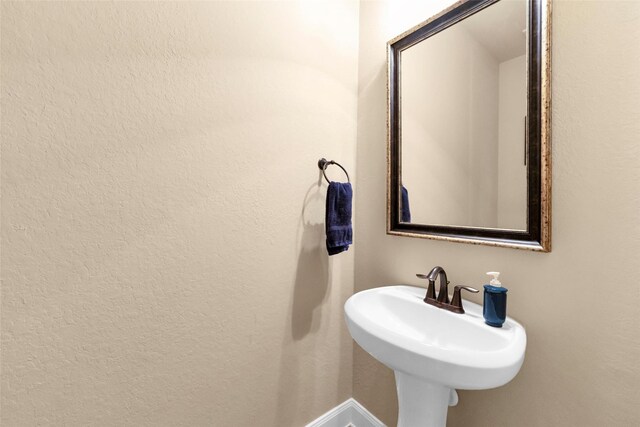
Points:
(163, 255)
(580, 302)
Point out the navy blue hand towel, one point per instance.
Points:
(338, 217)
(406, 212)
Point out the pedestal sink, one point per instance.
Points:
(433, 351)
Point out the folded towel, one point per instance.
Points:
(338, 217)
(406, 212)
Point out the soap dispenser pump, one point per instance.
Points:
(494, 308)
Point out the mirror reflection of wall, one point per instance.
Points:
(463, 109)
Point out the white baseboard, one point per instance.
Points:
(347, 414)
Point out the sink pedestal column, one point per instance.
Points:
(422, 403)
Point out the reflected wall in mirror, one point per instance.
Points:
(465, 106)
(469, 126)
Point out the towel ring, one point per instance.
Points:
(323, 163)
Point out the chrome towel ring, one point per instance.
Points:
(323, 163)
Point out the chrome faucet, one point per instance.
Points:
(442, 300)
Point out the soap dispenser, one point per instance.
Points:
(494, 309)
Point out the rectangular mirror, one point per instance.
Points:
(469, 126)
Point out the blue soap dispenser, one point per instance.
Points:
(494, 309)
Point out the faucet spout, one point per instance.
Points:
(443, 292)
(435, 271)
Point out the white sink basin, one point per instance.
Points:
(433, 351)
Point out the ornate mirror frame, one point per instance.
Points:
(537, 236)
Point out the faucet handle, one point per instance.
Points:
(456, 301)
(431, 290)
